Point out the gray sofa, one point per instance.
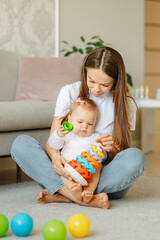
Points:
(19, 117)
(32, 117)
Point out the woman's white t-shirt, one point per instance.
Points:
(105, 105)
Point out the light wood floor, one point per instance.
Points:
(152, 169)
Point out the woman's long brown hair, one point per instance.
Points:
(110, 62)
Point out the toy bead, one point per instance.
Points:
(90, 158)
(95, 149)
(95, 155)
(67, 126)
(86, 164)
(80, 169)
(75, 175)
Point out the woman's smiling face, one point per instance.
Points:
(98, 82)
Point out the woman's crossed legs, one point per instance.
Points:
(115, 180)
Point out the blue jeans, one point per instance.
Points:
(115, 180)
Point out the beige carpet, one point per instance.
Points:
(136, 217)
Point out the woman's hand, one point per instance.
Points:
(58, 165)
(106, 141)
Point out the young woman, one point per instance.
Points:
(103, 81)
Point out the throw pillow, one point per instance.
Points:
(42, 78)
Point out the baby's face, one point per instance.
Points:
(83, 121)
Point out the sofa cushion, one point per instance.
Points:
(23, 115)
(42, 78)
(8, 75)
(7, 138)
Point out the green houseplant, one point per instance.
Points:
(89, 46)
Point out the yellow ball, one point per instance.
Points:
(79, 225)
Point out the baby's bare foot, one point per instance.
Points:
(99, 201)
(76, 189)
(45, 197)
(87, 196)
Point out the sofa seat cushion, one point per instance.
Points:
(23, 115)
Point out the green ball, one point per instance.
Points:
(4, 225)
(54, 229)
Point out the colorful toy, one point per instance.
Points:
(21, 224)
(98, 151)
(79, 225)
(95, 155)
(54, 229)
(67, 126)
(4, 225)
(85, 165)
(77, 172)
(90, 159)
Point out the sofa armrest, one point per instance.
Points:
(24, 115)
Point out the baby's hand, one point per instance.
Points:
(61, 132)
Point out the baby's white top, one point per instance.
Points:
(71, 144)
(105, 105)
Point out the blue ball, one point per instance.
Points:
(21, 224)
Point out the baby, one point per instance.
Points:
(83, 116)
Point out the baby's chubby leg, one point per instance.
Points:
(88, 191)
(75, 188)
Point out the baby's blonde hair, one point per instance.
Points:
(84, 102)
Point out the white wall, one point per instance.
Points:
(119, 22)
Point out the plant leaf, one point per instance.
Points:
(80, 50)
(82, 39)
(75, 49)
(95, 37)
(96, 44)
(99, 44)
(63, 50)
(129, 79)
(67, 54)
(101, 40)
(89, 49)
(90, 43)
(65, 42)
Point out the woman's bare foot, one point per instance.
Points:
(45, 197)
(87, 196)
(76, 189)
(99, 201)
